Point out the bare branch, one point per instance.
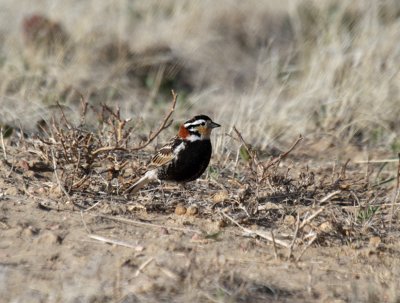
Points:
(261, 234)
(165, 124)
(63, 115)
(284, 155)
(290, 251)
(396, 193)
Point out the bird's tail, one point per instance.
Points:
(151, 175)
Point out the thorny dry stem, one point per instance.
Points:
(262, 167)
(282, 156)
(396, 193)
(164, 124)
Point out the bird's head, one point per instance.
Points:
(197, 128)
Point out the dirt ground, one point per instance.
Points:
(116, 248)
(85, 90)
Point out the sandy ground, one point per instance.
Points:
(273, 69)
(52, 251)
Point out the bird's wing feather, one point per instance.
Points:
(166, 153)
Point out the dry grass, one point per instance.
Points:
(325, 68)
(83, 83)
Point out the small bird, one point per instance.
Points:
(185, 157)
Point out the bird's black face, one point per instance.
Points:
(199, 128)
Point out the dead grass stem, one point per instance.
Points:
(148, 224)
(258, 233)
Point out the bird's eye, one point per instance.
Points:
(203, 123)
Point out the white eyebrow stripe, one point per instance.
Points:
(195, 123)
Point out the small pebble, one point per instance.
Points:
(326, 227)
(11, 191)
(180, 210)
(374, 242)
(289, 220)
(220, 197)
(221, 223)
(192, 210)
(48, 238)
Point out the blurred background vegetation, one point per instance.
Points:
(327, 69)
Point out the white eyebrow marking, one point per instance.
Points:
(195, 123)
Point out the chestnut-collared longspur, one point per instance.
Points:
(185, 157)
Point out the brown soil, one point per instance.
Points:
(172, 244)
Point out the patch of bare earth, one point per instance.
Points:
(255, 228)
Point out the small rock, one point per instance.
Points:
(220, 196)
(192, 210)
(48, 238)
(29, 174)
(164, 231)
(40, 191)
(180, 210)
(11, 191)
(221, 223)
(23, 164)
(326, 227)
(30, 231)
(289, 220)
(55, 192)
(374, 242)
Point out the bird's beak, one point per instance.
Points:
(214, 125)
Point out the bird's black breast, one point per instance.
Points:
(190, 164)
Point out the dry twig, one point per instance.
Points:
(116, 242)
(376, 161)
(164, 124)
(309, 219)
(284, 155)
(274, 243)
(142, 266)
(84, 224)
(290, 251)
(135, 222)
(396, 193)
(2, 144)
(328, 196)
(60, 186)
(259, 233)
(263, 167)
(306, 247)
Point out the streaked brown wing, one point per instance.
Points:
(163, 156)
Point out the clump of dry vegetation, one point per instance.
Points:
(334, 207)
(85, 90)
(86, 158)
